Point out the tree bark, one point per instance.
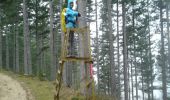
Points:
(37, 41)
(81, 9)
(41, 54)
(135, 63)
(17, 49)
(97, 49)
(62, 2)
(14, 48)
(0, 45)
(164, 88)
(111, 51)
(84, 51)
(7, 49)
(125, 59)
(132, 79)
(52, 44)
(118, 54)
(168, 33)
(150, 52)
(136, 81)
(129, 95)
(27, 50)
(143, 93)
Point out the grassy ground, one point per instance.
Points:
(44, 90)
(41, 90)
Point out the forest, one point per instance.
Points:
(129, 45)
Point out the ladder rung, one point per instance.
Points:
(73, 58)
(80, 30)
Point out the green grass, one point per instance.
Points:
(44, 90)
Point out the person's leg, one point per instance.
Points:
(71, 43)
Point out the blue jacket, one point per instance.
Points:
(71, 16)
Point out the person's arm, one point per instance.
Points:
(71, 12)
(75, 13)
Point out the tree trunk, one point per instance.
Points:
(151, 66)
(69, 65)
(17, 49)
(150, 52)
(62, 2)
(135, 63)
(84, 51)
(125, 59)
(37, 41)
(0, 45)
(41, 54)
(27, 50)
(136, 82)
(129, 95)
(14, 48)
(118, 54)
(52, 44)
(132, 78)
(81, 8)
(97, 49)
(111, 51)
(164, 88)
(143, 92)
(168, 33)
(7, 49)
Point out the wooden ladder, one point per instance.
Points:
(64, 58)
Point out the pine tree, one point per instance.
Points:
(27, 52)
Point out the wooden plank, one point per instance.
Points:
(72, 58)
(80, 30)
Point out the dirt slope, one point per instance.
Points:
(11, 89)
